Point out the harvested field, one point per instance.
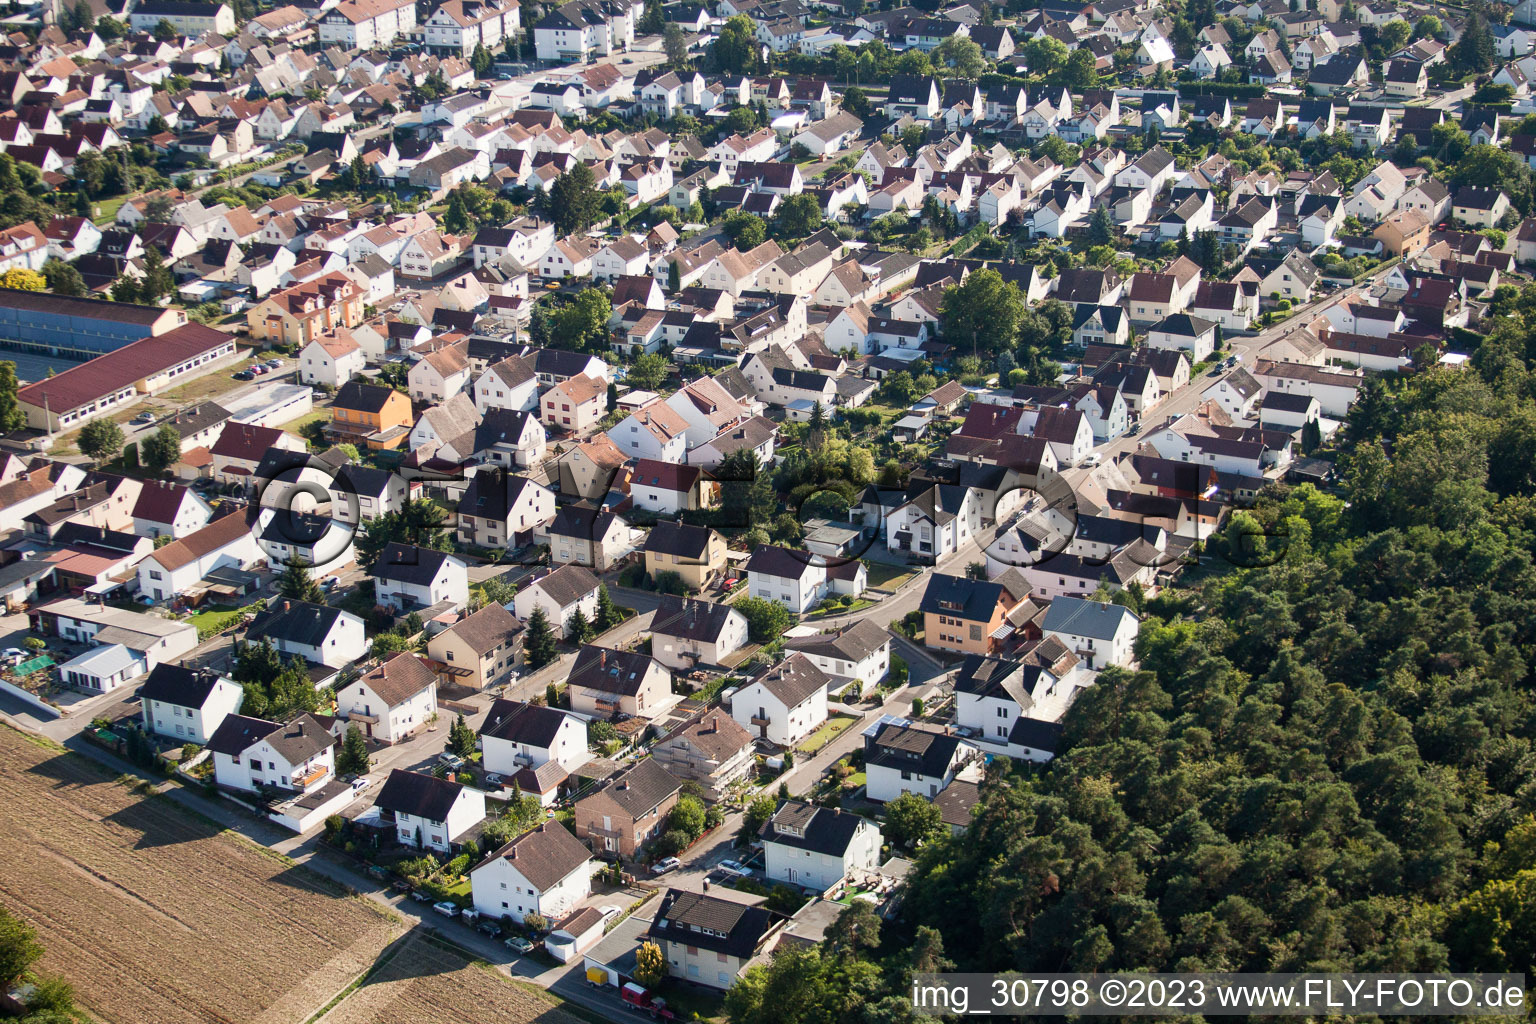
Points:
(424, 982)
(155, 916)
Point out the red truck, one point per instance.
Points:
(640, 1000)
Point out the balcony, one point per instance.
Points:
(607, 703)
(362, 716)
(306, 779)
(755, 720)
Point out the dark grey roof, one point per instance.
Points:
(961, 597)
(817, 829)
(175, 684)
(297, 622)
(793, 680)
(364, 481)
(708, 922)
(907, 748)
(782, 563)
(568, 584)
(296, 741)
(638, 789)
(854, 643)
(691, 620)
(669, 538)
(1035, 734)
(1098, 619)
(546, 855)
(601, 668)
(520, 722)
(406, 563)
(584, 522)
(418, 794)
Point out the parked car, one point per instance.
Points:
(360, 785)
(144, 417)
(1133, 430)
(452, 760)
(1093, 459)
(488, 927)
(518, 944)
(243, 375)
(733, 868)
(666, 864)
(402, 887)
(492, 779)
(274, 363)
(420, 897)
(447, 908)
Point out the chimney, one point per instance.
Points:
(287, 605)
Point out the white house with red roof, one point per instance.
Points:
(331, 359)
(666, 487)
(241, 447)
(166, 509)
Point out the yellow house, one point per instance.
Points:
(695, 553)
(478, 650)
(300, 314)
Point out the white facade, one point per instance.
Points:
(194, 725)
(500, 890)
(820, 871)
(468, 808)
(391, 724)
(568, 749)
(765, 716)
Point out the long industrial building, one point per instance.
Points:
(60, 325)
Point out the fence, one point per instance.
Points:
(30, 698)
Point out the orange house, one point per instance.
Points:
(965, 615)
(369, 414)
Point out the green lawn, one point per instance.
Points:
(109, 208)
(834, 727)
(296, 427)
(214, 620)
(842, 609)
(888, 577)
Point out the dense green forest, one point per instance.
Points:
(1323, 763)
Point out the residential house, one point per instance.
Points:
(187, 704)
(856, 658)
(503, 510)
(621, 817)
(909, 759)
(712, 751)
(605, 683)
(429, 813)
(319, 634)
(547, 872)
(478, 650)
(560, 595)
(785, 703)
(965, 615)
(696, 553)
(708, 940)
(392, 701)
(408, 578)
(817, 848)
(1099, 633)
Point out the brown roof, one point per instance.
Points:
(716, 734)
(217, 534)
(794, 679)
(246, 441)
(486, 629)
(638, 789)
(583, 388)
(546, 855)
(121, 368)
(400, 678)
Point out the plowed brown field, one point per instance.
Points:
(424, 983)
(157, 918)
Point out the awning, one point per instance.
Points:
(1002, 632)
